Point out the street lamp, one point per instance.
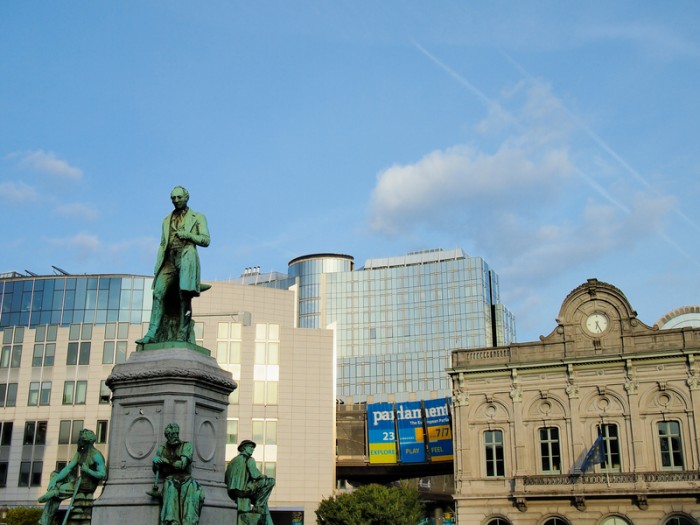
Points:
(3, 512)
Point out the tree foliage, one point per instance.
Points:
(372, 505)
(23, 515)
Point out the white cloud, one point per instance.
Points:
(462, 180)
(47, 162)
(536, 255)
(17, 192)
(77, 210)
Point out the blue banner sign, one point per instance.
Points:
(382, 433)
(409, 417)
(437, 421)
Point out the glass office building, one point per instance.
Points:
(397, 318)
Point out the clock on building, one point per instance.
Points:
(597, 323)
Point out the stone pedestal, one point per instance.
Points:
(158, 385)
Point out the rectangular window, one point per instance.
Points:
(25, 469)
(3, 473)
(64, 432)
(101, 430)
(495, 461)
(39, 393)
(8, 394)
(45, 394)
(265, 435)
(265, 392)
(69, 431)
(72, 354)
(549, 450)
(74, 392)
(105, 393)
(231, 431)
(6, 434)
(16, 359)
(266, 369)
(611, 448)
(33, 397)
(68, 392)
(84, 353)
(671, 445)
(78, 353)
(43, 354)
(228, 343)
(38, 357)
(35, 433)
(108, 353)
(114, 352)
(30, 473)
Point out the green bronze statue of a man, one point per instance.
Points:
(183, 497)
(81, 476)
(177, 272)
(248, 487)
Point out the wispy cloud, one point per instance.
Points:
(47, 163)
(78, 210)
(17, 192)
(656, 40)
(88, 248)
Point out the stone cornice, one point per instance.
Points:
(194, 374)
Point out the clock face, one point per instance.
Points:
(597, 323)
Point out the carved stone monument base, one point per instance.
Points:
(155, 387)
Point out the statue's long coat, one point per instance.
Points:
(196, 225)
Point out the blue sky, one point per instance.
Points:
(557, 140)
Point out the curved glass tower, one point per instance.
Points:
(309, 273)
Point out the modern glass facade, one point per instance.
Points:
(69, 300)
(398, 318)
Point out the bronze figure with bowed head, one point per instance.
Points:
(182, 495)
(81, 476)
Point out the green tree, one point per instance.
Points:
(23, 515)
(372, 505)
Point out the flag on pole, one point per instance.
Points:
(594, 456)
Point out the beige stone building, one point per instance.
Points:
(595, 424)
(61, 336)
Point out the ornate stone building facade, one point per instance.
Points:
(595, 424)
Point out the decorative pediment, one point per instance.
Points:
(596, 312)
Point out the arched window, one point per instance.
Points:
(498, 521)
(680, 520)
(556, 521)
(615, 520)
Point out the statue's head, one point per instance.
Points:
(172, 433)
(179, 196)
(86, 438)
(247, 444)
